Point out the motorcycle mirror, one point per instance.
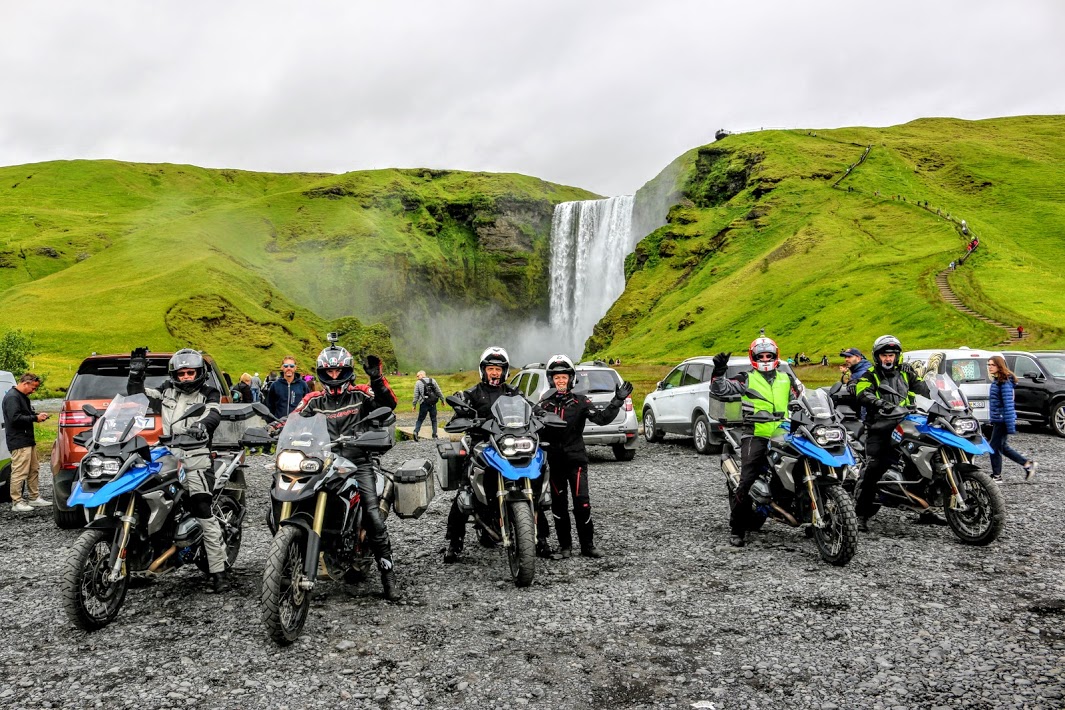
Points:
(91, 411)
(263, 411)
(658, 385)
(193, 411)
(794, 406)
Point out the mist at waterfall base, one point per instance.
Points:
(459, 336)
(589, 242)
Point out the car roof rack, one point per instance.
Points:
(534, 366)
(594, 363)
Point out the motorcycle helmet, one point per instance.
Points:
(185, 359)
(495, 356)
(560, 365)
(886, 344)
(760, 346)
(335, 358)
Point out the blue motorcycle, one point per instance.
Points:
(939, 441)
(503, 476)
(134, 501)
(808, 460)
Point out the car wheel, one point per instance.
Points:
(649, 431)
(701, 435)
(1057, 418)
(5, 484)
(623, 454)
(66, 519)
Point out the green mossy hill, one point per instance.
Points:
(759, 237)
(104, 255)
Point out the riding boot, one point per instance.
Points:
(389, 587)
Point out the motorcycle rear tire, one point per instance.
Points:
(521, 553)
(979, 489)
(838, 540)
(285, 605)
(84, 585)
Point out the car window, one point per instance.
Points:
(596, 380)
(971, 369)
(1026, 366)
(1054, 364)
(95, 386)
(691, 374)
(514, 380)
(534, 382)
(673, 379)
(522, 379)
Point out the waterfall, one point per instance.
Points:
(589, 242)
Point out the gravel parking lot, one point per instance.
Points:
(673, 617)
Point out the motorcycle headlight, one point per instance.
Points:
(310, 465)
(828, 435)
(290, 461)
(512, 446)
(93, 466)
(966, 426)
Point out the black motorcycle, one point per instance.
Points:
(138, 522)
(316, 517)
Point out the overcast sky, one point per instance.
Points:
(601, 95)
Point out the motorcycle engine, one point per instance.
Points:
(760, 492)
(187, 532)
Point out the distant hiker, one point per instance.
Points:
(952, 266)
(427, 395)
(1020, 331)
(824, 360)
(256, 387)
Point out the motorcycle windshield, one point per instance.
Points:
(307, 434)
(512, 412)
(818, 403)
(124, 418)
(943, 390)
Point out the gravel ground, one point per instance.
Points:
(673, 617)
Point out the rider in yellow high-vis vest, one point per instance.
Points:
(765, 393)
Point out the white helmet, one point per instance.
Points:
(494, 356)
(560, 365)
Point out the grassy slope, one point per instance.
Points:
(824, 268)
(102, 256)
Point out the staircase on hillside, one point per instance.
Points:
(1012, 336)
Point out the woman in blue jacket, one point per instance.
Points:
(1003, 419)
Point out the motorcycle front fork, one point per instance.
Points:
(118, 552)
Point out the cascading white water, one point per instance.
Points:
(589, 242)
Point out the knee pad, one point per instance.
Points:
(200, 505)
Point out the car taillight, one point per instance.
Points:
(74, 419)
(628, 404)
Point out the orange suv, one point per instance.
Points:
(99, 379)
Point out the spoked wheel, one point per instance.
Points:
(838, 539)
(982, 522)
(227, 511)
(285, 604)
(521, 552)
(90, 600)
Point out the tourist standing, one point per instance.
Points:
(19, 418)
(287, 391)
(427, 395)
(1003, 418)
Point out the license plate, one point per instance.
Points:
(978, 405)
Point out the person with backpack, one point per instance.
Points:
(427, 394)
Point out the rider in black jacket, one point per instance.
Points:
(494, 366)
(566, 456)
(343, 403)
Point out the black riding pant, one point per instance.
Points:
(372, 521)
(880, 453)
(568, 476)
(754, 460)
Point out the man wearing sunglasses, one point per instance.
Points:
(764, 393)
(287, 391)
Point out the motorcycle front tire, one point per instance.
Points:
(982, 523)
(285, 604)
(89, 601)
(521, 553)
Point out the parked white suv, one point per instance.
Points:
(968, 368)
(597, 381)
(681, 403)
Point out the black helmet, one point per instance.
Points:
(494, 356)
(886, 344)
(335, 358)
(183, 360)
(560, 365)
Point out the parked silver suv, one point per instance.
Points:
(597, 381)
(681, 405)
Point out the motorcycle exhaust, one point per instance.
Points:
(785, 515)
(488, 529)
(154, 566)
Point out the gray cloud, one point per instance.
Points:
(596, 94)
